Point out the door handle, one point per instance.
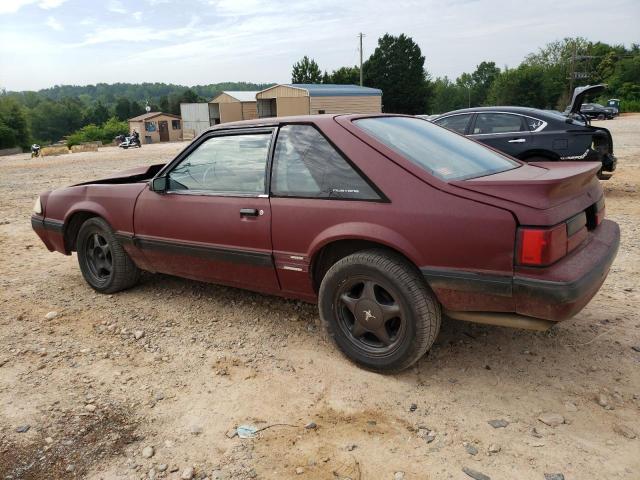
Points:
(517, 140)
(249, 212)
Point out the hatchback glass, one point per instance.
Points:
(442, 153)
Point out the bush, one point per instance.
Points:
(112, 128)
(104, 133)
(629, 105)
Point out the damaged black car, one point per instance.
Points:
(535, 135)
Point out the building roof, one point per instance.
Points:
(148, 115)
(331, 90)
(241, 96)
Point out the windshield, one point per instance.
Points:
(442, 153)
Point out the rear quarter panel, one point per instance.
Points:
(432, 228)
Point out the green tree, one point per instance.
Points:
(522, 86)
(483, 77)
(14, 127)
(135, 110)
(465, 81)
(306, 71)
(164, 104)
(346, 76)
(97, 113)
(189, 96)
(52, 120)
(397, 67)
(447, 96)
(123, 109)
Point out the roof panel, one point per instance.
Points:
(331, 90)
(147, 116)
(242, 96)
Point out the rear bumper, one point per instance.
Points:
(553, 293)
(562, 290)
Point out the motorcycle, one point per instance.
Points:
(35, 150)
(131, 141)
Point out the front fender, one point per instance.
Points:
(114, 203)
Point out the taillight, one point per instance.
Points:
(596, 214)
(600, 215)
(541, 246)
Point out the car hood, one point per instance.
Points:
(580, 93)
(132, 175)
(540, 185)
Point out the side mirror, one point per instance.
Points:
(158, 184)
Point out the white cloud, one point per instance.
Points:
(258, 40)
(12, 6)
(133, 35)
(54, 24)
(116, 6)
(49, 4)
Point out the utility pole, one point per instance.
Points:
(361, 35)
(573, 68)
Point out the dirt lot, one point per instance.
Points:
(175, 365)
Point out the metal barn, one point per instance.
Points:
(195, 119)
(305, 99)
(231, 106)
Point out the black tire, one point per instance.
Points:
(601, 116)
(105, 265)
(394, 287)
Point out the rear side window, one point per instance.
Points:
(457, 123)
(442, 153)
(307, 165)
(497, 123)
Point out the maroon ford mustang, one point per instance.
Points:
(386, 221)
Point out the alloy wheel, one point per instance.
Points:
(99, 257)
(370, 315)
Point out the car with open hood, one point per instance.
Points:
(388, 222)
(535, 135)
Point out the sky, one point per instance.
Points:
(50, 42)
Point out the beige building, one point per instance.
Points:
(305, 99)
(155, 127)
(231, 106)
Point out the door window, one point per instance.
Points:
(307, 165)
(497, 123)
(234, 164)
(457, 123)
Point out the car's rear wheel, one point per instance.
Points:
(601, 116)
(105, 265)
(379, 310)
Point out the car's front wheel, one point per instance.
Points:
(105, 265)
(379, 311)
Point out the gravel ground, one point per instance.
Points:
(150, 383)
